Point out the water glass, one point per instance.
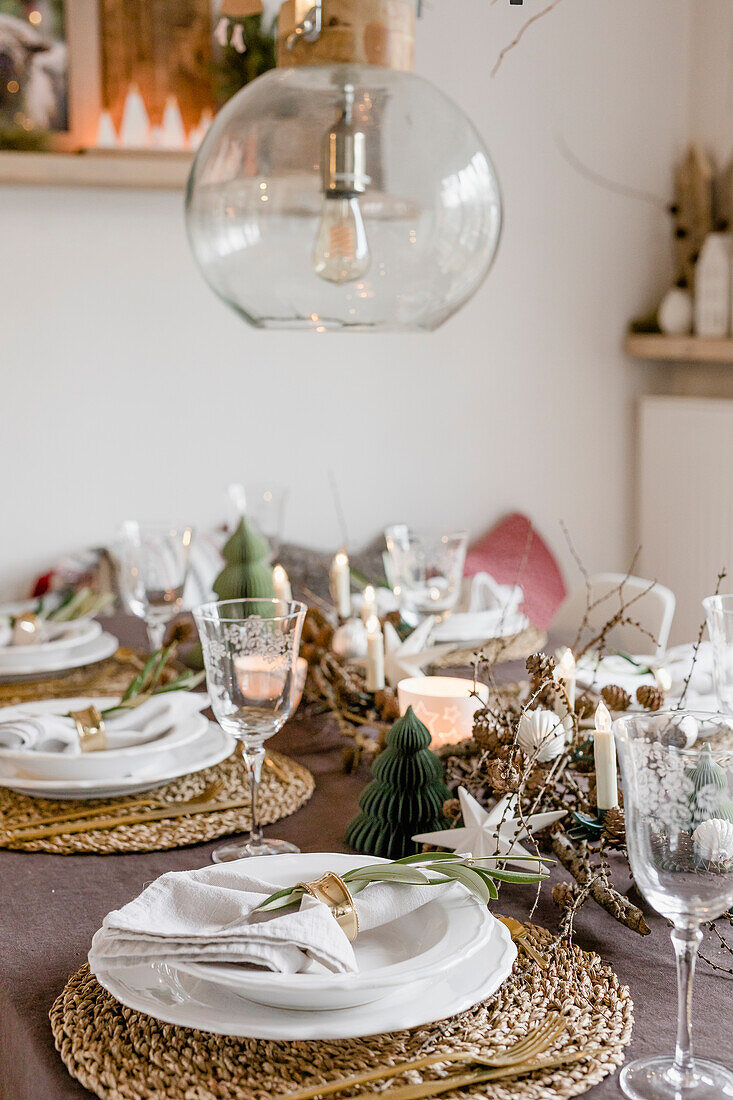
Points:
(250, 652)
(264, 507)
(679, 832)
(427, 570)
(719, 613)
(152, 561)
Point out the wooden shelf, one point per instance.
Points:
(679, 349)
(98, 168)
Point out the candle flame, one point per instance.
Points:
(373, 625)
(603, 718)
(566, 664)
(664, 679)
(341, 558)
(369, 594)
(279, 575)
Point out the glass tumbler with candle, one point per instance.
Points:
(152, 566)
(679, 832)
(427, 570)
(250, 652)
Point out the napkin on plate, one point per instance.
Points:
(54, 733)
(208, 916)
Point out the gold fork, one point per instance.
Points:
(520, 935)
(534, 1043)
(47, 826)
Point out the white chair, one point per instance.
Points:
(653, 611)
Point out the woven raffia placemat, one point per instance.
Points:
(285, 787)
(498, 650)
(109, 677)
(120, 1054)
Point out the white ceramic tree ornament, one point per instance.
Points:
(492, 832)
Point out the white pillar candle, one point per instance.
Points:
(281, 584)
(375, 656)
(604, 752)
(341, 584)
(369, 606)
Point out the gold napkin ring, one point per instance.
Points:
(90, 728)
(331, 889)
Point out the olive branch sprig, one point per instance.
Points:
(424, 869)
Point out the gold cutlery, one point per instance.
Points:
(477, 1077)
(207, 795)
(539, 1040)
(520, 936)
(172, 810)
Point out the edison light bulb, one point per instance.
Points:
(341, 249)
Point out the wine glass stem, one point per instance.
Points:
(686, 941)
(156, 633)
(253, 756)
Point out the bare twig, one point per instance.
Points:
(696, 648)
(515, 41)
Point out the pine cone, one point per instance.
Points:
(536, 780)
(540, 667)
(585, 705)
(451, 809)
(563, 894)
(615, 697)
(503, 777)
(650, 697)
(614, 828)
(387, 704)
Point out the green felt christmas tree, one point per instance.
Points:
(405, 797)
(247, 573)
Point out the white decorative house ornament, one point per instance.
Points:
(405, 659)
(714, 840)
(713, 286)
(492, 832)
(541, 735)
(445, 704)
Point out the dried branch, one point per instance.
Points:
(515, 41)
(696, 648)
(600, 890)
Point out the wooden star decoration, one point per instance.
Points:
(405, 659)
(492, 832)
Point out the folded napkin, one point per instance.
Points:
(208, 916)
(54, 733)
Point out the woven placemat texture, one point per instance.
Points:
(285, 787)
(120, 1054)
(109, 677)
(498, 650)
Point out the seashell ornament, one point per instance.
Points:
(714, 840)
(541, 734)
(350, 640)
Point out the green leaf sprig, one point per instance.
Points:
(147, 683)
(424, 869)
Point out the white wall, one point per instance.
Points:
(128, 389)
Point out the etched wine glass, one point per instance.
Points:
(427, 569)
(152, 561)
(679, 832)
(250, 652)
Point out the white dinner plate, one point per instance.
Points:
(61, 637)
(428, 941)
(178, 998)
(461, 628)
(213, 746)
(98, 649)
(107, 764)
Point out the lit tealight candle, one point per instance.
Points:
(375, 656)
(604, 752)
(369, 606)
(281, 584)
(341, 584)
(445, 704)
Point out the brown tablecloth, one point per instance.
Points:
(50, 906)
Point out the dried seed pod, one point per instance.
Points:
(614, 828)
(585, 705)
(540, 667)
(563, 894)
(650, 697)
(451, 809)
(503, 777)
(615, 697)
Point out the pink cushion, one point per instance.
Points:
(514, 553)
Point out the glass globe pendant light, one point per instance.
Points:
(339, 191)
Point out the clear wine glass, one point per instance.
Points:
(152, 560)
(719, 613)
(679, 831)
(251, 651)
(427, 570)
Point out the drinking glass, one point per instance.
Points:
(250, 652)
(427, 570)
(152, 570)
(719, 612)
(264, 506)
(679, 832)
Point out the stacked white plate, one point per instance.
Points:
(67, 645)
(437, 961)
(188, 746)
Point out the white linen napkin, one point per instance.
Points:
(54, 733)
(208, 916)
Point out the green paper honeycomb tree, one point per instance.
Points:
(405, 796)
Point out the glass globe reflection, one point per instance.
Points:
(343, 197)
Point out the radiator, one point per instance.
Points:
(685, 501)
